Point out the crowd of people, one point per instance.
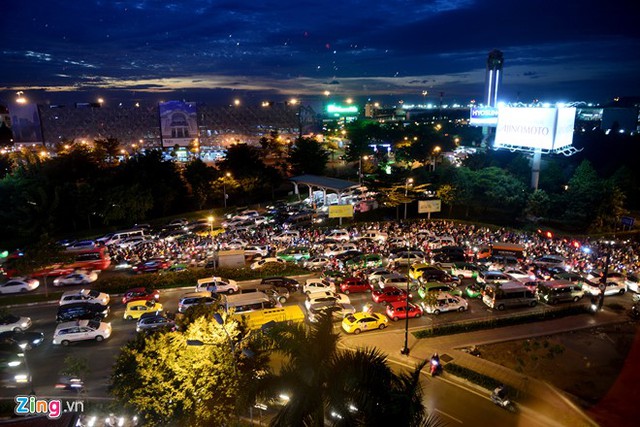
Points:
(582, 255)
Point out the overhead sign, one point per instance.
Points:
(484, 116)
(341, 211)
(541, 128)
(428, 206)
(627, 221)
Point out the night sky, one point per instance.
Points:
(254, 50)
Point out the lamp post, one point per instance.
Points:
(224, 187)
(360, 168)
(210, 221)
(408, 182)
(405, 349)
(434, 156)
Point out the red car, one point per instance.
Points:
(152, 266)
(354, 284)
(389, 294)
(398, 310)
(137, 294)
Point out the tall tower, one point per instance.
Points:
(493, 77)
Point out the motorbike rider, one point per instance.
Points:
(500, 392)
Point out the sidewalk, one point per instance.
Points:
(540, 395)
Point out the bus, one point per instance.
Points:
(258, 318)
(91, 259)
(502, 249)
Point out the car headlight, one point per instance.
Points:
(21, 378)
(24, 324)
(38, 341)
(14, 363)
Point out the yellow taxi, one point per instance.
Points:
(361, 321)
(135, 309)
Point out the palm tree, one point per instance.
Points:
(352, 388)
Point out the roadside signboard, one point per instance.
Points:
(428, 206)
(341, 211)
(627, 221)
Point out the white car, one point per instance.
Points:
(236, 244)
(395, 279)
(633, 282)
(11, 322)
(325, 298)
(612, 288)
(80, 330)
(377, 273)
(132, 241)
(493, 276)
(444, 302)
(339, 235)
(82, 244)
(318, 285)
(337, 249)
(270, 260)
(550, 261)
(256, 250)
(408, 257)
(218, 285)
(76, 278)
(379, 236)
(286, 236)
(519, 275)
(85, 295)
(18, 285)
(316, 262)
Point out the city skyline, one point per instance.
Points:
(205, 50)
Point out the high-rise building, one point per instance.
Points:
(493, 77)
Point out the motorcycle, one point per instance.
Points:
(503, 402)
(635, 310)
(435, 367)
(70, 383)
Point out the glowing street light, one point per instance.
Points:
(293, 101)
(407, 184)
(360, 159)
(326, 93)
(349, 101)
(21, 99)
(100, 101)
(236, 102)
(210, 219)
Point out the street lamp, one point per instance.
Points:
(360, 168)
(224, 187)
(407, 183)
(20, 97)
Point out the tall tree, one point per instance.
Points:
(308, 157)
(199, 177)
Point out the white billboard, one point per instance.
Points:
(541, 128)
(428, 206)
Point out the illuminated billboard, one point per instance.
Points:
(536, 128)
(339, 110)
(178, 123)
(25, 124)
(483, 116)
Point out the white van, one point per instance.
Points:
(120, 236)
(242, 303)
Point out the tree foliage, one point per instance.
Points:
(308, 157)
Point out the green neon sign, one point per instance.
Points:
(339, 109)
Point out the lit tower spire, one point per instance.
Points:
(493, 78)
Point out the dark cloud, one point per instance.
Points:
(563, 49)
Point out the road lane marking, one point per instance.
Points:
(447, 415)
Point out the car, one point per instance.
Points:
(417, 270)
(218, 285)
(19, 285)
(325, 299)
(550, 261)
(132, 241)
(465, 270)
(14, 371)
(256, 250)
(379, 236)
(294, 254)
(361, 321)
(519, 274)
(76, 278)
(285, 282)
(337, 312)
(191, 299)
(265, 261)
(398, 310)
(25, 340)
(633, 282)
(151, 266)
(153, 321)
(365, 261)
(612, 276)
(444, 302)
(316, 263)
(431, 287)
(236, 244)
(493, 276)
(397, 280)
(178, 222)
(68, 332)
(287, 236)
(408, 257)
(318, 285)
(389, 294)
(446, 260)
(84, 295)
(355, 284)
(11, 322)
(81, 244)
(569, 276)
(81, 311)
(135, 309)
(375, 274)
(474, 290)
(138, 294)
(339, 235)
(612, 288)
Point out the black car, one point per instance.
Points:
(26, 340)
(292, 285)
(81, 311)
(153, 322)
